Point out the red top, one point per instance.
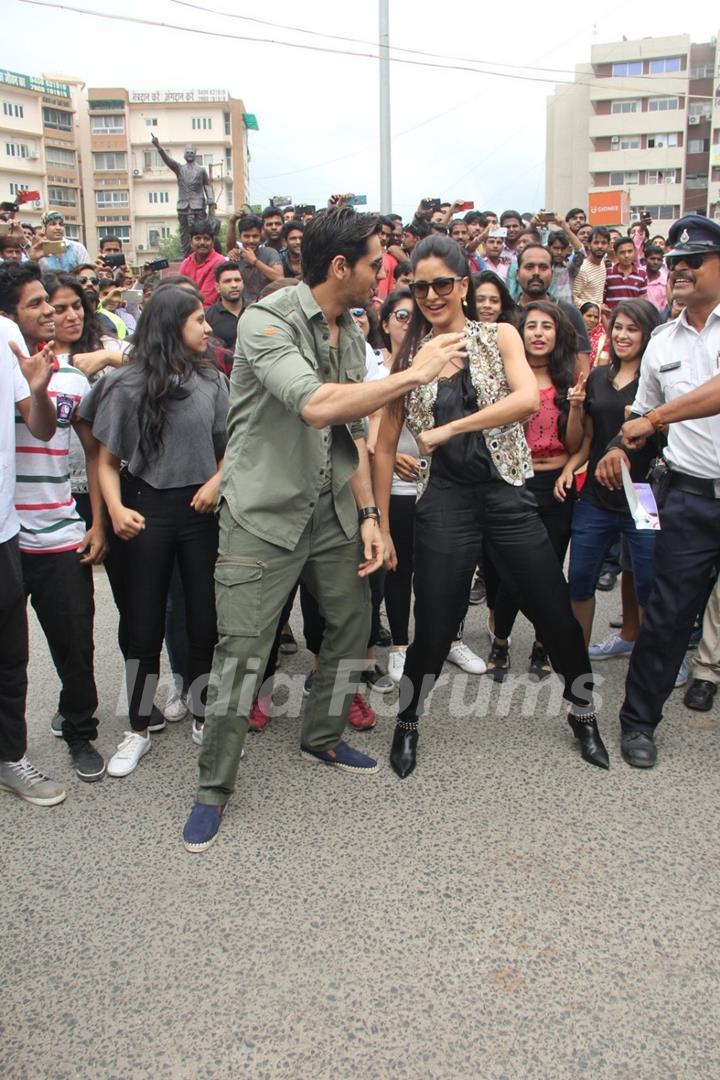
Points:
(203, 274)
(541, 430)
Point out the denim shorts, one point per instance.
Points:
(593, 531)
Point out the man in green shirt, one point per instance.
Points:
(296, 484)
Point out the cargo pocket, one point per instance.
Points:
(238, 594)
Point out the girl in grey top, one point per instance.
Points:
(164, 413)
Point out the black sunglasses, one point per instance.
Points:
(92, 280)
(441, 286)
(693, 261)
(402, 314)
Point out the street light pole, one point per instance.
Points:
(385, 137)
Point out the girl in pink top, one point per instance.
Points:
(551, 350)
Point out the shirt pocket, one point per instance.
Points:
(677, 382)
(238, 596)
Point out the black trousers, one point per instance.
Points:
(450, 524)
(557, 519)
(60, 588)
(686, 549)
(398, 583)
(13, 654)
(314, 624)
(173, 530)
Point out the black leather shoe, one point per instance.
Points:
(699, 695)
(402, 753)
(592, 747)
(638, 749)
(606, 581)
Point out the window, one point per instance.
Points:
(202, 123)
(226, 121)
(16, 188)
(656, 142)
(72, 232)
(701, 71)
(57, 119)
(107, 125)
(158, 197)
(122, 231)
(620, 179)
(161, 232)
(111, 198)
(663, 104)
(228, 159)
(62, 196)
(10, 109)
(109, 161)
(657, 213)
(632, 67)
(696, 180)
(625, 106)
(152, 160)
(56, 155)
(662, 67)
(661, 176)
(14, 149)
(698, 146)
(625, 142)
(703, 107)
(150, 121)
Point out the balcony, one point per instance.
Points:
(635, 123)
(614, 160)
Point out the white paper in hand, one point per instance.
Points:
(641, 502)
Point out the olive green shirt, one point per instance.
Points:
(276, 465)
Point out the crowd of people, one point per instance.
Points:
(368, 415)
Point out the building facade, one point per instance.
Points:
(39, 140)
(642, 117)
(88, 152)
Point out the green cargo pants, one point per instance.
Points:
(253, 579)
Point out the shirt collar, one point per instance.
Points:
(311, 309)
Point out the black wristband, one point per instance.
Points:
(368, 512)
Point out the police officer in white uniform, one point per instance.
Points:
(681, 356)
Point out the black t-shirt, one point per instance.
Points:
(224, 324)
(464, 459)
(606, 406)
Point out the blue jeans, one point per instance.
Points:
(593, 531)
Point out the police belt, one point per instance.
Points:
(695, 485)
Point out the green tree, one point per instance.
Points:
(169, 247)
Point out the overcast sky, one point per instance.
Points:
(455, 133)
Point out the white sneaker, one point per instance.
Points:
(128, 754)
(197, 732)
(464, 658)
(396, 664)
(175, 709)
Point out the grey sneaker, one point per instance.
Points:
(56, 725)
(87, 762)
(24, 780)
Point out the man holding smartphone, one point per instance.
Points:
(53, 251)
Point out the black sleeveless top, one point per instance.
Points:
(464, 459)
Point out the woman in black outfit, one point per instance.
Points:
(468, 424)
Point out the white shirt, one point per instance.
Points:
(13, 388)
(679, 359)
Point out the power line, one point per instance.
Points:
(317, 48)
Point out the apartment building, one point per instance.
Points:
(130, 192)
(88, 152)
(643, 117)
(39, 137)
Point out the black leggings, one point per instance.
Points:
(557, 519)
(172, 530)
(450, 522)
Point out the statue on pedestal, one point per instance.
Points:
(196, 199)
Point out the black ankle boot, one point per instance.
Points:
(404, 745)
(592, 748)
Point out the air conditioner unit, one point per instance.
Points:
(615, 139)
(141, 247)
(693, 120)
(33, 155)
(137, 172)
